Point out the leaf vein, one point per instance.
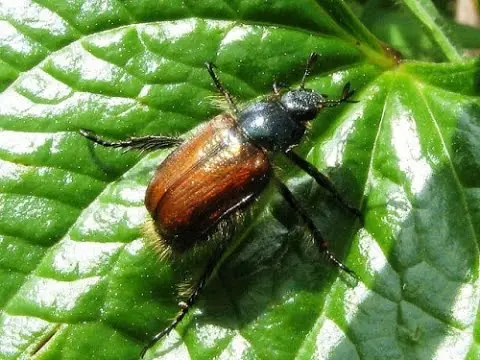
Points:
(433, 315)
(453, 170)
(74, 27)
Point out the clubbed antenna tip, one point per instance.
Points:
(312, 59)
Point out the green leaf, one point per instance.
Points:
(431, 19)
(80, 281)
(398, 27)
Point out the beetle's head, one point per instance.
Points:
(302, 104)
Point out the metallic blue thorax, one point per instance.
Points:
(269, 125)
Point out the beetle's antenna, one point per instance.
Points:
(347, 93)
(312, 59)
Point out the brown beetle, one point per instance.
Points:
(224, 166)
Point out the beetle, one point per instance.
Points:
(224, 167)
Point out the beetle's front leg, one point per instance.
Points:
(323, 181)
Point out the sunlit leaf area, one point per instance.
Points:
(80, 280)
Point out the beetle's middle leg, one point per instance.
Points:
(317, 236)
(144, 143)
(210, 68)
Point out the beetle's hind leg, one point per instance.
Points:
(210, 68)
(191, 300)
(212, 264)
(317, 236)
(144, 143)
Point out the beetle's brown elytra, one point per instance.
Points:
(223, 168)
(204, 181)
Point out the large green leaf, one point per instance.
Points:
(397, 26)
(79, 280)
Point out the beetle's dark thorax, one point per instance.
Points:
(269, 125)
